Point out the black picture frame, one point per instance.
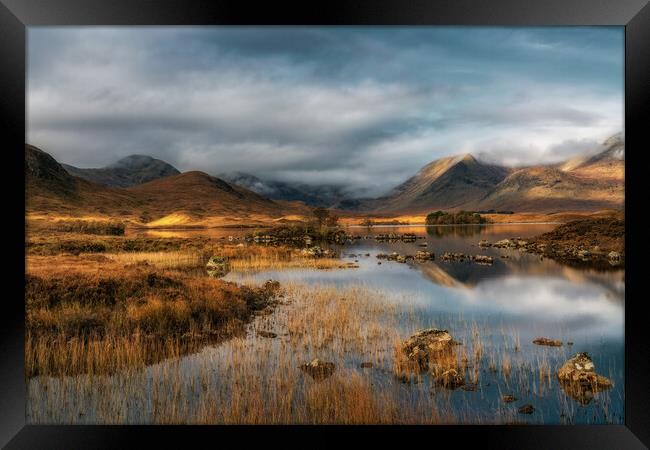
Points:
(16, 15)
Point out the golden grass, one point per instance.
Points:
(132, 316)
(518, 217)
(256, 258)
(161, 260)
(256, 380)
(265, 384)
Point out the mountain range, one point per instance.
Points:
(194, 198)
(591, 181)
(153, 191)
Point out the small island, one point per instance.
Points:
(459, 218)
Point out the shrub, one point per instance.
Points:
(92, 227)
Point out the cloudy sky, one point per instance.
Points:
(363, 107)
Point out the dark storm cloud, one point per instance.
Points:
(362, 107)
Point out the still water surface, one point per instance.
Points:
(522, 295)
(517, 298)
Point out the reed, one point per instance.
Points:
(161, 260)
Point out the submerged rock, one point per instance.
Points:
(422, 255)
(504, 243)
(217, 266)
(482, 259)
(450, 256)
(267, 334)
(318, 370)
(451, 379)
(579, 379)
(527, 409)
(547, 342)
(406, 237)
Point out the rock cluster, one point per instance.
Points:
(482, 259)
(449, 256)
(461, 257)
(317, 252)
(395, 257)
(406, 237)
(506, 243)
(422, 255)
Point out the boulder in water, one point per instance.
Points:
(426, 345)
(579, 379)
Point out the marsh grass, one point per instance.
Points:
(251, 379)
(259, 257)
(100, 323)
(265, 384)
(127, 336)
(163, 260)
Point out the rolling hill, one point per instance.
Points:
(128, 171)
(198, 195)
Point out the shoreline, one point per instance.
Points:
(250, 226)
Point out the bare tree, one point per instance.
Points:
(321, 214)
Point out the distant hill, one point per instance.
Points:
(201, 195)
(185, 199)
(128, 171)
(313, 195)
(50, 188)
(447, 183)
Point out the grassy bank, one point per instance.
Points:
(99, 303)
(595, 242)
(106, 321)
